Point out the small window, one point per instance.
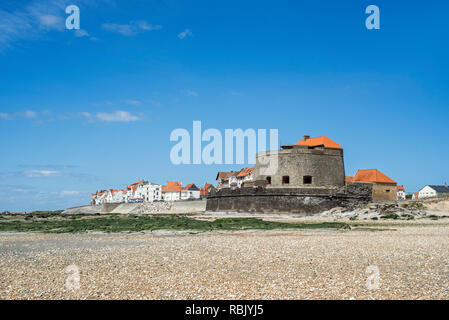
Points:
(307, 180)
(285, 180)
(268, 180)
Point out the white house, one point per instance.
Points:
(234, 179)
(172, 191)
(400, 192)
(246, 174)
(190, 191)
(149, 192)
(431, 191)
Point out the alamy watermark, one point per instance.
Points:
(373, 279)
(373, 20)
(72, 282)
(73, 20)
(189, 148)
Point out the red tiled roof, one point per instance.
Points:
(318, 141)
(172, 186)
(347, 178)
(203, 191)
(400, 188)
(372, 175)
(245, 172)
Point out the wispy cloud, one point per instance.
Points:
(134, 102)
(117, 116)
(41, 173)
(191, 93)
(33, 20)
(185, 33)
(132, 28)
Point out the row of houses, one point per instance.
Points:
(145, 191)
(234, 179)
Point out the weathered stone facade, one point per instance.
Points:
(289, 200)
(302, 166)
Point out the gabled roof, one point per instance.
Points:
(172, 186)
(440, 188)
(245, 172)
(203, 191)
(372, 175)
(225, 175)
(318, 141)
(400, 188)
(191, 187)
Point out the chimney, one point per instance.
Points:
(306, 138)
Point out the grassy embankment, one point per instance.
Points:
(135, 223)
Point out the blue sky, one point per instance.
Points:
(91, 109)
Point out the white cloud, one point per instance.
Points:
(134, 102)
(33, 20)
(185, 33)
(29, 114)
(50, 21)
(81, 33)
(69, 193)
(4, 116)
(131, 29)
(191, 93)
(117, 116)
(41, 173)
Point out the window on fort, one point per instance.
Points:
(307, 180)
(268, 180)
(285, 180)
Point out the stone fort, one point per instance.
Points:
(307, 177)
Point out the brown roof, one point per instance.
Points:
(372, 175)
(225, 175)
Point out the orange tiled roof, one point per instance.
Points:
(347, 178)
(318, 141)
(400, 188)
(372, 175)
(203, 191)
(172, 186)
(245, 172)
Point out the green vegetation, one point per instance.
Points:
(135, 223)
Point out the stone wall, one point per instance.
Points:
(289, 200)
(384, 191)
(324, 165)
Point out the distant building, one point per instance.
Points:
(205, 190)
(384, 188)
(223, 179)
(149, 192)
(415, 196)
(400, 193)
(234, 179)
(172, 191)
(141, 191)
(190, 192)
(434, 191)
(244, 175)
